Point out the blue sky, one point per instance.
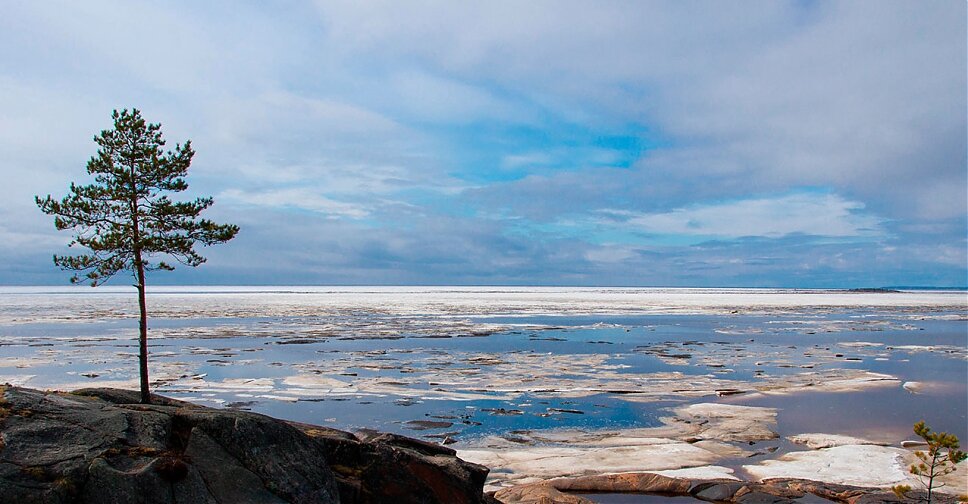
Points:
(653, 143)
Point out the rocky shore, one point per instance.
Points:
(773, 491)
(100, 445)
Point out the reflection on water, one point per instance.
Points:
(884, 414)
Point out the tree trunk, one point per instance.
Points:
(143, 329)
(142, 305)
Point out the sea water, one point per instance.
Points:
(449, 363)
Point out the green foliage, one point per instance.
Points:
(901, 491)
(126, 216)
(941, 459)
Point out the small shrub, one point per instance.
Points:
(941, 458)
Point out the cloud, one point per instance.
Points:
(865, 97)
(300, 198)
(454, 142)
(431, 98)
(811, 214)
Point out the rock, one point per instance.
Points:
(565, 410)
(625, 483)
(773, 491)
(427, 425)
(698, 436)
(729, 422)
(756, 497)
(526, 462)
(380, 467)
(541, 493)
(913, 387)
(100, 445)
(715, 492)
(710, 472)
(153, 483)
(817, 441)
(860, 465)
(502, 411)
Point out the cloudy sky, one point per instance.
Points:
(655, 143)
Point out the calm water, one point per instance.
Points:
(218, 336)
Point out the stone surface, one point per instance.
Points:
(100, 445)
(697, 436)
(816, 441)
(773, 491)
(703, 473)
(625, 483)
(549, 462)
(860, 465)
(728, 422)
(540, 493)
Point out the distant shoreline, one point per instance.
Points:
(281, 288)
(119, 284)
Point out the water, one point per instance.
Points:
(492, 361)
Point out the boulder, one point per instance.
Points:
(100, 445)
(380, 467)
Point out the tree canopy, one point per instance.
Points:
(126, 217)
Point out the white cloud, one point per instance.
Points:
(865, 97)
(427, 97)
(827, 215)
(610, 254)
(371, 101)
(301, 198)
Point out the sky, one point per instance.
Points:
(642, 143)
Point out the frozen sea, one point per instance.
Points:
(457, 364)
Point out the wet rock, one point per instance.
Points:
(502, 411)
(297, 341)
(426, 425)
(716, 492)
(565, 410)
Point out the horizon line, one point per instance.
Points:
(516, 286)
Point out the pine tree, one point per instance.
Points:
(941, 459)
(125, 218)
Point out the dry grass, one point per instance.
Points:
(38, 473)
